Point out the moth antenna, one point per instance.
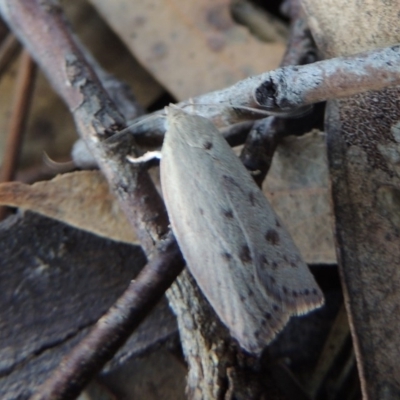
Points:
(227, 105)
(141, 120)
(262, 112)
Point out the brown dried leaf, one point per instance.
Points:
(191, 47)
(298, 188)
(344, 27)
(80, 199)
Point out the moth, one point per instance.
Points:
(235, 246)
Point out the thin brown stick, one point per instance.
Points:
(22, 100)
(8, 50)
(20, 109)
(114, 328)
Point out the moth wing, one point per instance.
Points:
(209, 243)
(277, 260)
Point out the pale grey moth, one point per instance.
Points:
(235, 246)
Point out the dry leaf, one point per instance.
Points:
(297, 186)
(80, 199)
(55, 283)
(191, 47)
(365, 25)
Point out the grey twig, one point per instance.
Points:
(288, 88)
(283, 91)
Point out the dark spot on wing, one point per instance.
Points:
(278, 225)
(263, 259)
(272, 237)
(252, 198)
(228, 214)
(268, 316)
(284, 288)
(275, 307)
(227, 256)
(207, 145)
(250, 292)
(274, 265)
(315, 291)
(242, 298)
(244, 254)
(306, 292)
(201, 211)
(294, 293)
(257, 334)
(230, 180)
(293, 265)
(272, 279)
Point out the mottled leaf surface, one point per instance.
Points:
(55, 282)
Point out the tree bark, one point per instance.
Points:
(364, 158)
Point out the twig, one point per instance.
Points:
(119, 91)
(301, 48)
(114, 328)
(123, 98)
(236, 134)
(288, 88)
(20, 109)
(284, 90)
(336, 340)
(23, 93)
(261, 24)
(266, 134)
(8, 50)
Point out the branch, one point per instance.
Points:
(9, 48)
(288, 88)
(23, 92)
(283, 91)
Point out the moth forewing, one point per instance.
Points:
(234, 244)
